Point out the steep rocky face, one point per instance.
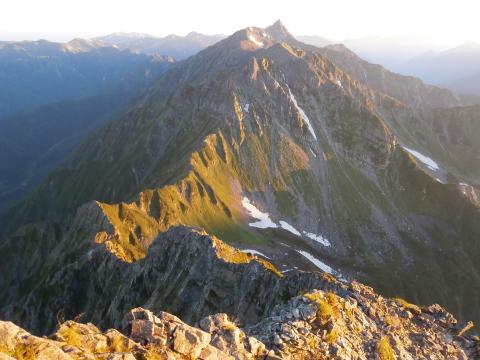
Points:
(186, 272)
(265, 317)
(450, 136)
(271, 146)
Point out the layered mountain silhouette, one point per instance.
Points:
(457, 68)
(310, 157)
(36, 73)
(179, 47)
(53, 95)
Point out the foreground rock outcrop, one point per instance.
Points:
(240, 305)
(316, 325)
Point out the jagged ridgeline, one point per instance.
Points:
(309, 156)
(270, 316)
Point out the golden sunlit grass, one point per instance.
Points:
(70, 335)
(233, 255)
(208, 196)
(200, 199)
(405, 304)
(327, 311)
(25, 352)
(384, 350)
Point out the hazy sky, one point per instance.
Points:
(439, 21)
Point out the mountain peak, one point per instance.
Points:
(85, 45)
(253, 38)
(278, 25)
(279, 32)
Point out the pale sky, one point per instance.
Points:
(447, 22)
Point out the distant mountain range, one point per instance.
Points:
(178, 47)
(53, 95)
(315, 40)
(456, 68)
(35, 73)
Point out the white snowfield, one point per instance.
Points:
(302, 113)
(289, 227)
(266, 35)
(255, 252)
(432, 165)
(321, 265)
(246, 107)
(318, 238)
(264, 220)
(255, 40)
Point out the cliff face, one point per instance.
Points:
(263, 314)
(186, 272)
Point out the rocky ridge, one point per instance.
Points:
(341, 320)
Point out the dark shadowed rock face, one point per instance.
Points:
(186, 272)
(261, 316)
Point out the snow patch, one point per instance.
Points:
(264, 222)
(339, 83)
(432, 165)
(318, 238)
(255, 252)
(255, 40)
(246, 107)
(276, 83)
(266, 35)
(321, 265)
(314, 155)
(302, 113)
(290, 228)
(263, 218)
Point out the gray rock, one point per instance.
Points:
(190, 341)
(296, 313)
